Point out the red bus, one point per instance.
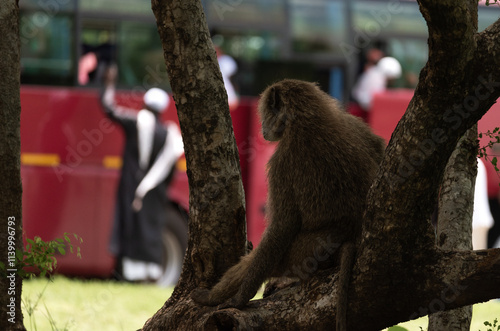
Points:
(71, 153)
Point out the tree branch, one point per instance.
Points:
(473, 281)
(313, 302)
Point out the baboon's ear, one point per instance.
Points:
(274, 100)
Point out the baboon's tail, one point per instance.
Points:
(347, 255)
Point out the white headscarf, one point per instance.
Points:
(156, 99)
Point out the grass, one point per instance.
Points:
(75, 304)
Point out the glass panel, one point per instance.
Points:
(317, 26)
(375, 18)
(248, 45)
(49, 7)
(134, 7)
(98, 50)
(248, 48)
(412, 54)
(46, 49)
(134, 47)
(243, 12)
(140, 56)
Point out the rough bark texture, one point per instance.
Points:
(217, 228)
(399, 272)
(454, 220)
(10, 166)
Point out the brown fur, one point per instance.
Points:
(318, 177)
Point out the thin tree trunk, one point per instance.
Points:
(217, 228)
(454, 221)
(10, 166)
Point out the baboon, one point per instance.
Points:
(318, 178)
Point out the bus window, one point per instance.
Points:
(376, 18)
(98, 51)
(46, 48)
(140, 56)
(248, 48)
(248, 45)
(133, 7)
(318, 27)
(256, 13)
(412, 54)
(134, 47)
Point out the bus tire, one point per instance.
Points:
(175, 238)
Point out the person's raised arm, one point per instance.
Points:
(114, 112)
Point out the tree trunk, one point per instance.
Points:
(217, 228)
(399, 272)
(10, 165)
(454, 220)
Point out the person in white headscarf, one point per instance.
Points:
(149, 156)
(374, 80)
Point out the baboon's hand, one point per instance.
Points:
(201, 296)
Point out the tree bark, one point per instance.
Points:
(454, 220)
(10, 165)
(399, 272)
(217, 228)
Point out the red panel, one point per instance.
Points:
(241, 119)
(81, 204)
(258, 152)
(387, 110)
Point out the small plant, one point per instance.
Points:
(40, 255)
(492, 326)
(494, 139)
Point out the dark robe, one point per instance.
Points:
(137, 235)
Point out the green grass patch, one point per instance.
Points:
(75, 304)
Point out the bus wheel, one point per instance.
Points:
(174, 245)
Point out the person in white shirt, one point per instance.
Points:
(149, 156)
